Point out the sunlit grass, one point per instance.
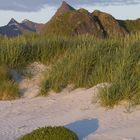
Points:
(83, 61)
(8, 88)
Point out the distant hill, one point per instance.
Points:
(13, 28)
(133, 26)
(36, 27)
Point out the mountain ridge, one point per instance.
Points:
(110, 25)
(68, 21)
(72, 22)
(14, 28)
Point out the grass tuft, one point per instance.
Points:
(50, 133)
(8, 88)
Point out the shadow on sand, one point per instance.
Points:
(83, 128)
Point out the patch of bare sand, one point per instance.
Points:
(73, 109)
(29, 85)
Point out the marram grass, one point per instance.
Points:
(8, 87)
(83, 61)
(115, 61)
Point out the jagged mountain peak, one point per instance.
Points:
(28, 21)
(101, 13)
(12, 22)
(65, 7)
(82, 10)
(25, 20)
(65, 4)
(35, 27)
(14, 28)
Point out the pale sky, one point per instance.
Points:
(42, 10)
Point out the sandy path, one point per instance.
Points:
(74, 110)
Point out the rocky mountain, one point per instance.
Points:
(11, 29)
(36, 27)
(69, 21)
(110, 25)
(14, 28)
(65, 7)
(133, 26)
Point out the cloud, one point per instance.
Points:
(22, 5)
(36, 5)
(96, 2)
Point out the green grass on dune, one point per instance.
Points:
(127, 83)
(50, 133)
(8, 88)
(115, 61)
(83, 61)
(22, 50)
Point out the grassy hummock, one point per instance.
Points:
(50, 133)
(8, 87)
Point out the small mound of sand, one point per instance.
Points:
(30, 86)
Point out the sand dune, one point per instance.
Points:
(74, 110)
(30, 87)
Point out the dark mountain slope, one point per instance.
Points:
(36, 27)
(13, 28)
(73, 22)
(70, 22)
(133, 26)
(110, 25)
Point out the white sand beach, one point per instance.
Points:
(72, 109)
